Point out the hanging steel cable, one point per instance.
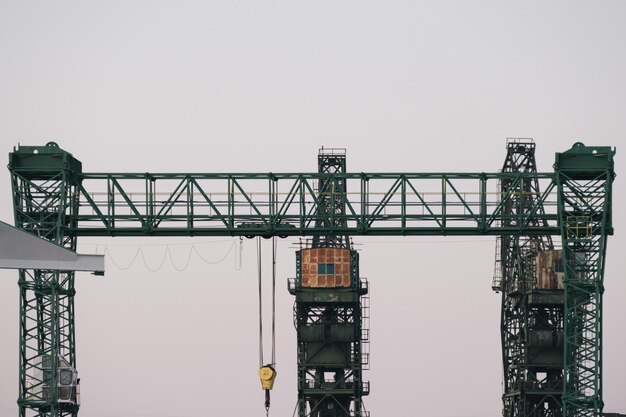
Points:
(274, 243)
(267, 373)
(260, 279)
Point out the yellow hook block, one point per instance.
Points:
(267, 375)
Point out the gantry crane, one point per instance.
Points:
(54, 199)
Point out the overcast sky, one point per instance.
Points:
(231, 86)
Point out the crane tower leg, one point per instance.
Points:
(584, 177)
(551, 322)
(532, 305)
(44, 201)
(331, 310)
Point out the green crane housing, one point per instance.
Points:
(331, 308)
(54, 199)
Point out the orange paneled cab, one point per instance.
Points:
(325, 267)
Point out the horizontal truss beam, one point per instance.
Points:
(269, 204)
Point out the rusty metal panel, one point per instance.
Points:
(313, 258)
(550, 270)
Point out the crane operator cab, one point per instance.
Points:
(39, 384)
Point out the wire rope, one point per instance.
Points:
(274, 243)
(238, 262)
(272, 363)
(168, 255)
(260, 275)
(260, 284)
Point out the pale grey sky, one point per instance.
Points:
(224, 86)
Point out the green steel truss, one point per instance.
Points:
(54, 199)
(529, 316)
(45, 204)
(331, 323)
(332, 335)
(584, 178)
(330, 207)
(289, 205)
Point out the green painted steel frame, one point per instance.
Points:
(46, 205)
(54, 199)
(345, 393)
(518, 317)
(584, 177)
(289, 205)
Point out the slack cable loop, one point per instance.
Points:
(222, 259)
(167, 254)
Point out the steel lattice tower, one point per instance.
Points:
(331, 194)
(532, 307)
(584, 178)
(45, 201)
(331, 308)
